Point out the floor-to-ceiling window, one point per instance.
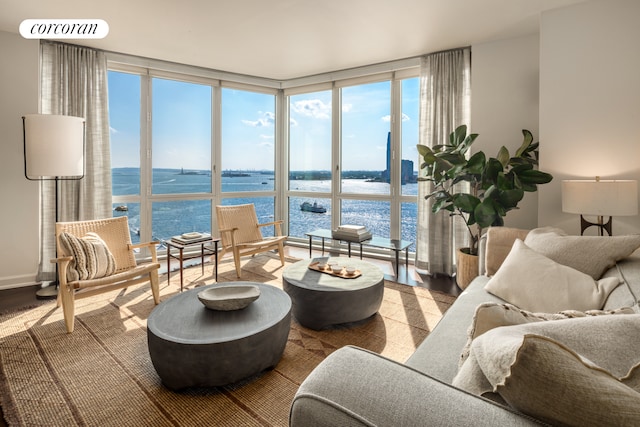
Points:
(318, 156)
(124, 123)
(359, 168)
(248, 151)
(310, 178)
(161, 153)
(409, 159)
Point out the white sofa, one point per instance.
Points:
(355, 387)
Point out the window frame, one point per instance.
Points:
(395, 72)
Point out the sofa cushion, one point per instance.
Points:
(492, 315)
(438, 354)
(549, 370)
(500, 241)
(92, 258)
(536, 283)
(592, 255)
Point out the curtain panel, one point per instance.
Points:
(73, 82)
(445, 100)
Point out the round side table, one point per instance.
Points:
(321, 300)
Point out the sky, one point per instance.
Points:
(181, 126)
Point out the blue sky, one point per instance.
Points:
(181, 128)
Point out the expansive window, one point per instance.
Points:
(410, 161)
(161, 156)
(366, 138)
(376, 159)
(310, 178)
(341, 152)
(181, 137)
(124, 122)
(248, 138)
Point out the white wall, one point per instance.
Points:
(589, 101)
(19, 212)
(504, 100)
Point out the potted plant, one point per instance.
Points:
(495, 184)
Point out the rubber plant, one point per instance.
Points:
(496, 184)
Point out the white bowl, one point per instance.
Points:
(336, 269)
(350, 270)
(231, 297)
(322, 265)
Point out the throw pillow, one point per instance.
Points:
(535, 283)
(91, 257)
(580, 372)
(592, 255)
(490, 315)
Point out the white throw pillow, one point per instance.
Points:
(579, 372)
(536, 283)
(592, 255)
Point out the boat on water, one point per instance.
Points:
(121, 208)
(315, 207)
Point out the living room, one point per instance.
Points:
(573, 83)
(547, 82)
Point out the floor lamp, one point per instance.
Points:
(53, 150)
(600, 198)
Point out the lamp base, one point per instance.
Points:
(48, 292)
(584, 224)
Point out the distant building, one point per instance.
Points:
(406, 171)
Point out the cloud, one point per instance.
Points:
(387, 118)
(267, 137)
(312, 108)
(267, 119)
(347, 107)
(113, 130)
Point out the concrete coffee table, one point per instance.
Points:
(193, 346)
(321, 300)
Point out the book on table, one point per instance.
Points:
(351, 233)
(194, 237)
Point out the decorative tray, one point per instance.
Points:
(227, 298)
(327, 270)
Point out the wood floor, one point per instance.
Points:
(25, 297)
(19, 298)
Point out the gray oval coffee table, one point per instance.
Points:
(193, 346)
(321, 300)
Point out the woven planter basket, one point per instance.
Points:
(466, 267)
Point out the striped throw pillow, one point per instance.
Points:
(91, 257)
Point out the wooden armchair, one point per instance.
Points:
(240, 233)
(86, 268)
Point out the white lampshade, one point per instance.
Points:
(53, 146)
(600, 197)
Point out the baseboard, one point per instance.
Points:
(12, 282)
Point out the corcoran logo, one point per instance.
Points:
(64, 29)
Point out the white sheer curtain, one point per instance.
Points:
(445, 97)
(73, 82)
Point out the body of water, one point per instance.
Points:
(171, 218)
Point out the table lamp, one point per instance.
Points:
(600, 198)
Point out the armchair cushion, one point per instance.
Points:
(92, 258)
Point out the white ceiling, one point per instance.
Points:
(283, 39)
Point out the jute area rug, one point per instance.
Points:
(101, 374)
